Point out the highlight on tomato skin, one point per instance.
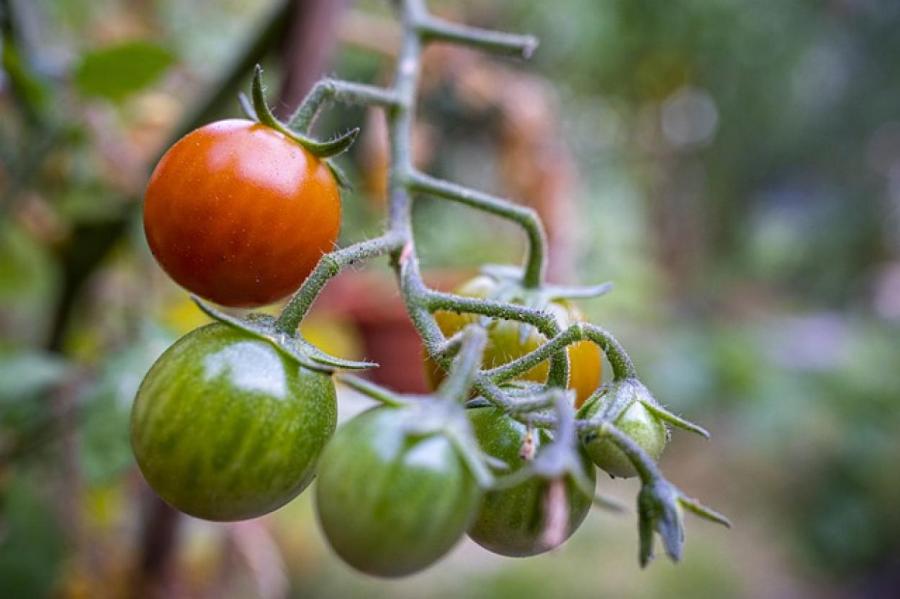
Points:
(506, 341)
(227, 427)
(239, 214)
(391, 503)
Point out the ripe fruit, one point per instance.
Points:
(239, 214)
(506, 341)
(513, 521)
(227, 427)
(392, 502)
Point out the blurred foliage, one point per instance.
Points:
(738, 177)
(118, 71)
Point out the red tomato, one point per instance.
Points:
(239, 214)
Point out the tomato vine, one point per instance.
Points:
(546, 406)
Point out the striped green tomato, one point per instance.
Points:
(513, 522)
(389, 501)
(227, 427)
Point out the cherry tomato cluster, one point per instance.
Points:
(238, 417)
(226, 426)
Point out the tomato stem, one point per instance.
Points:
(434, 29)
(526, 217)
(465, 366)
(327, 268)
(336, 90)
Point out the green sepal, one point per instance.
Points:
(435, 415)
(673, 419)
(301, 350)
(373, 391)
(660, 506)
(320, 149)
(514, 275)
(339, 175)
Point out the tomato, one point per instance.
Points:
(511, 521)
(226, 427)
(506, 343)
(391, 503)
(645, 428)
(238, 213)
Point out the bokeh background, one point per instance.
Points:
(734, 168)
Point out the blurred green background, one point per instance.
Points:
(734, 168)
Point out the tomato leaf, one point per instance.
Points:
(115, 72)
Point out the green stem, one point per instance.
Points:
(434, 29)
(622, 366)
(337, 90)
(545, 323)
(527, 218)
(544, 352)
(370, 389)
(438, 300)
(327, 268)
(465, 366)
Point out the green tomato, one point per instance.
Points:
(391, 503)
(636, 421)
(512, 521)
(226, 427)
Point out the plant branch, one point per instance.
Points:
(435, 29)
(336, 90)
(527, 218)
(465, 365)
(328, 267)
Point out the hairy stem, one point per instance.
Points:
(527, 218)
(336, 90)
(327, 268)
(466, 365)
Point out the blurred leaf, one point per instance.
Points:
(27, 281)
(105, 446)
(31, 91)
(27, 374)
(115, 72)
(31, 547)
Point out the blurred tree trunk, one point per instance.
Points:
(306, 49)
(159, 530)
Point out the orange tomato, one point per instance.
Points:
(240, 214)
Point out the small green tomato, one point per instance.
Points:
(227, 427)
(627, 399)
(389, 501)
(513, 522)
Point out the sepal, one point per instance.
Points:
(295, 346)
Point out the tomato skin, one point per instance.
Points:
(505, 342)
(239, 214)
(390, 504)
(226, 427)
(511, 521)
(636, 421)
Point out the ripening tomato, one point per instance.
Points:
(391, 502)
(506, 342)
(512, 521)
(227, 427)
(239, 214)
